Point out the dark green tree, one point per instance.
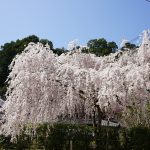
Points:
(101, 47)
(112, 46)
(59, 51)
(128, 45)
(45, 41)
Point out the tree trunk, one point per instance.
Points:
(97, 126)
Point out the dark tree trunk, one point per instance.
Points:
(97, 125)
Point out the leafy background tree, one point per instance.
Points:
(45, 41)
(100, 47)
(129, 45)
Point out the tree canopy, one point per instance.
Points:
(45, 41)
(128, 45)
(101, 47)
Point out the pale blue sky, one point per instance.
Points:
(63, 20)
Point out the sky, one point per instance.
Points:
(62, 21)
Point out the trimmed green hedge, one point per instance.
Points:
(79, 137)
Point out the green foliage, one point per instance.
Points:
(141, 138)
(51, 136)
(100, 47)
(45, 41)
(23, 141)
(62, 136)
(81, 136)
(137, 138)
(108, 138)
(5, 142)
(59, 51)
(58, 136)
(128, 45)
(85, 50)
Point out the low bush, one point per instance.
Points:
(78, 137)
